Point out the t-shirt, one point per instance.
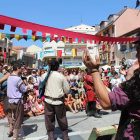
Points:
(122, 78)
(74, 85)
(113, 81)
(109, 74)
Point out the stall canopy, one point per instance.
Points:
(61, 34)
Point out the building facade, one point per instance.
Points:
(116, 25)
(50, 48)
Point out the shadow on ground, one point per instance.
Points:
(28, 129)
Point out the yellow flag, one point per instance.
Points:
(17, 37)
(73, 52)
(0, 35)
(64, 39)
(33, 38)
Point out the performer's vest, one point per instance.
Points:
(126, 120)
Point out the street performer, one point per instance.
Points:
(55, 88)
(15, 92)
(126, 98)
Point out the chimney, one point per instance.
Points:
(70, 26)
(125, 7)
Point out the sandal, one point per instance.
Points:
(73, 112)
(76, 111)
(10, 134)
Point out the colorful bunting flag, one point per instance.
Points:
(29, 37)
(103, 47)
(12, 36)
(52, 36)
(64, 40)
(33, 38)
(13, 29)
(4, 54)
(34, 33)
(76, 39)
(73, 40)
(25, 37)
(55, 39)
(17, 37)
(83, 48)
(41, 38)
(0, 36)
(76, 52)
(59, 53)
(24, 31)
(59, 37)
(67, 39)
(82, 40)
(2, 26)
(8, 36)
(44, 38)
(48, 38)
(43, 34)
(36, 38)
(73, 52)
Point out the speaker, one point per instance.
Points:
(106, 133)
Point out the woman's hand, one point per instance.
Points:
(89, 62)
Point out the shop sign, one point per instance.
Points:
(48, 52)
(72, 63)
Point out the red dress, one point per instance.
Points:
(90, 95)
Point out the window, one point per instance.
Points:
(75, 28)
(79, 28)
(113, 56)
(113, 30)
(91, 28)
(4, 49)
(108, 55)
(131, 46)
(86, 28)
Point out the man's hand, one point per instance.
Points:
(123, 72)
(89, 62)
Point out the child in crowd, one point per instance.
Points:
(78, 102)
(74, 87)
(116, 81)
(31, 82)
(36, 90)
(106, 82)
(70, 103)
(81, 86)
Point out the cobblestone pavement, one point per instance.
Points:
(80, 126)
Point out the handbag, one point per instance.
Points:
(6, 104)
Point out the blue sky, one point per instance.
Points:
(59, 13)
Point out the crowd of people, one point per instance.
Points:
(75, 100)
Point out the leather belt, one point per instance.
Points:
(55, 99)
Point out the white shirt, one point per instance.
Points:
(55, 87)
(113, 81)
(122, 78)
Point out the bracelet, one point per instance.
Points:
(94, 71)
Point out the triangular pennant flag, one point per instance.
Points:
(64, 40)
(43, 34)
(103, 47)
(67, 39)
(41, 38)
(73, 52)
(52, 36)
(55, 39)
(36, 38)
(13, 29)
(82, 40)
(24, 31)
(33, 33)
(33, 38)
(48, 38)
(59, 53)
(17, 37)
(59, 37)
(8, 36)
(0, 36)
(20, 37)
(76, 52)
(25, 37)
(73, 40)
(85, 40)
(95, 42)
(119, 46)
(44, 38)
(79, 40)
(2, 26)
(29, 37)
(70, 40)
(91, 42)
(76, 39)
(12, 36)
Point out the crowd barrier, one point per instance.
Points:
(106, 133)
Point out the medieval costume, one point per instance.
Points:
(55, 88)
(90, 97)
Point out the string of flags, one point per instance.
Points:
(64, 35)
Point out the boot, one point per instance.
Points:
(96, 115)
(50, 135)
(65, 135)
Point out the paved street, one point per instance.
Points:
(80, 126)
